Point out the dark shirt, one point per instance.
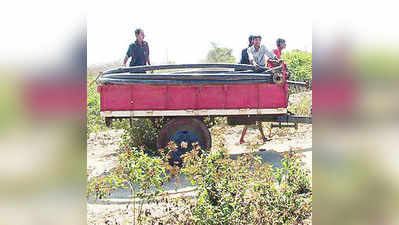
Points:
(139, 53)
(244, 56)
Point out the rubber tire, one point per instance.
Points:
(186, 123)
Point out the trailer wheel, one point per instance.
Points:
(189, 130)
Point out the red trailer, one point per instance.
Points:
(242, 93)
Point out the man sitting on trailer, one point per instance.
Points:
(138, 51)
(280, 46)
(257, 52)
(244, 52)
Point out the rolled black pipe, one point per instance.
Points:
(181, 82)
(187, 76)
(186, 66)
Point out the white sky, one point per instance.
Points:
(182, 30)
(45, 31)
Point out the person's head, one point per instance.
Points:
(280, 43)
(257, 40)
(139, 34)
(251, 40)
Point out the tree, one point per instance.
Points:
(299, 63)
(220, 55)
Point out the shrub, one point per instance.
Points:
(239, 191)
(94, 121)
(141, 174)
(299, 64)
(242, 191)
(142, 134)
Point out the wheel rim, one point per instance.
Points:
(189, 130)
(186, 136)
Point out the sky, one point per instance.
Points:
(182, 31)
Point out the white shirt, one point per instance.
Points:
(259, 56)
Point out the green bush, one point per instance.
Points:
(299, 64)
(94, 121)
(239, 191)
(242, 191)
(141, 174)
(142, 134)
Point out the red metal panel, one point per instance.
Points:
(181, 97)
(272, 96)
(116, 97)
(149, 97)
(163, 97)
(241, 96)
(211, 97)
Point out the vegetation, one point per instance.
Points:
(299, 64)
(94, 121)
(142, 134)
(220, 55)
(245, 191)
(240, 191)
(137, 172)
(302, 107)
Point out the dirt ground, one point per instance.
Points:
(102, 156)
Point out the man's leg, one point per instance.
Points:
(261, 131)
(244, 131)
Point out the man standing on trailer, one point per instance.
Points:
(245, 59)
(138, 51)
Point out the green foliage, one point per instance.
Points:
(299, 64)
(142, 134)
(220, 55)
(94, 120)
(135, 168)
(242, 191)
(142, 174)
(239, 191)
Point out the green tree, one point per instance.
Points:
(220, 55)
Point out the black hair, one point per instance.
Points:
(250, 38)
(280, 41)
(138, 31)
(258, 36)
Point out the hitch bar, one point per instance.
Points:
(286, 118)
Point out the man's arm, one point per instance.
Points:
(128, 54)
(125, 60)
(269, 53)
